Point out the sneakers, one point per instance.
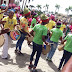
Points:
(30, 66)
(48, 59)
(20, 53)
(16, 51)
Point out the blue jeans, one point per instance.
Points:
(48, 39)
(65, 58)
(36, 48)
(52, 51)
(20, 41)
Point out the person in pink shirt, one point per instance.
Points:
(70, 26)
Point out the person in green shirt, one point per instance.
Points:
(56, 35)
(67, 50)
(33, 23)
(40, 33)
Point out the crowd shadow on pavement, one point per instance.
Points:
(43, 56)
(53, 66)
(21, 60)
(39, 70)
(7, 61)
(13, 45)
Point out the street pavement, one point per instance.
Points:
(19, 63)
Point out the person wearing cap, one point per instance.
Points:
(50, 25)
(16, 11)
(63, 27)
(56, 35)
(16, 14)
(2, 10)
(23, 30)
(70, 26)
(39, 37)
(33, 23)
(21, 14)
(67, 50)
(10, 24)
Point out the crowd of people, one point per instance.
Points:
(47, 30)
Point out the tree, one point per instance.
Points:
(31, 6)
(25, 3)
(29, 1)
(70, 8)
(52, 12)
(67, 10)
(46, 7)
(57, 7)
(17, 3)
(39, 7)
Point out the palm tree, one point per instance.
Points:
(49, 12)
(57, 7)
(46, 7)
(70, 8)
(29, 1)
(39, 7)
(25, 3)
(67, 10)
(52, 12)
(31, 6)
(16, 2)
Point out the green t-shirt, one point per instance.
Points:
(56, 34)
(33, 22)
(68, 46)
(40, 30)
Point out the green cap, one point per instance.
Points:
(36, 15)
(26, 10)
(44, 17)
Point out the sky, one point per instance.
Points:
(63, 4)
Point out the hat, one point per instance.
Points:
(16, 8)
(3, 6)
(44, 18)
(58, 24)
(11, 10)
(35, 14)
(52, 17)
(26, 11)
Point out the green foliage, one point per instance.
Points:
(70, 8)
(56, 12)
(39, 7)
(57, 6)
(46, 6)
(39, 12)
(31, 6)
